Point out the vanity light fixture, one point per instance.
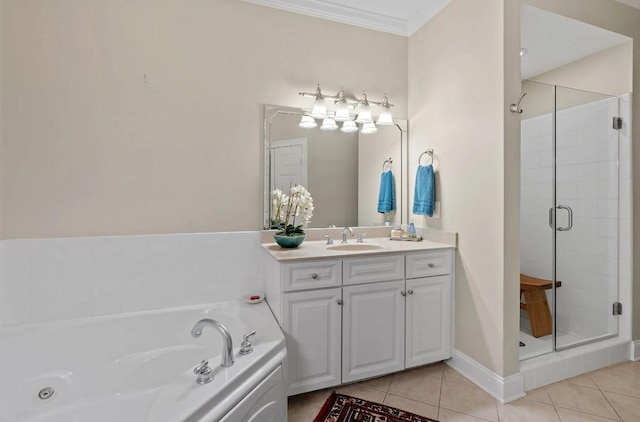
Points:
(343, 111)
(307, 122)
(349, 127)
(319, 110)
(364, 112)
(329, 124)
(342, 108)
(368, 128)
(384, 118)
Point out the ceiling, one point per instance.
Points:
(551, 40)
(400, 17)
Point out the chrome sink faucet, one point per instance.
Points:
(227, 343)
(344, 234)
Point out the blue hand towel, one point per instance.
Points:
(425, 192)
(387, 197)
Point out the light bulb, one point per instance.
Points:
(307, 122)
(384, 118)
(329, 124)
(368, 128)
(349, 127)
(342, 112)
(364, 114)
(319, 110)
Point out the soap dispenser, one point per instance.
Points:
(412, 229)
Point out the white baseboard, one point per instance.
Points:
(503, 389)
(635, 350)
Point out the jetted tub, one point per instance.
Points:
(139, 367)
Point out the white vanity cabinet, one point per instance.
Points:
(428, 308)
(372, 330)
(311, 321)
(349, 319)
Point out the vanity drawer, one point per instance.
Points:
(311, 275)
(367, 270)
(428, 264)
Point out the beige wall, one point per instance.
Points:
(624, 20)
(607, 72)
(460, 114)
(144, 116)
(540, 98)
(585, 80)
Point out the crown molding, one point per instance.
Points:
(422, 16)
(339, 13)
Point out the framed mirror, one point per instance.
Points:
(342, 171)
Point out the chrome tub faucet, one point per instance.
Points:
(227, 342)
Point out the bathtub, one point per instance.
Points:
(139, 367)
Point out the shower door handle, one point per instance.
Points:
(570, 225)
(551, 217)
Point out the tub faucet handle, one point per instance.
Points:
(204, 373)
(245, 347)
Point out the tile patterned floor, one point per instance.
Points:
(439, 392)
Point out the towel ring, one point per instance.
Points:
(429, 152)
(390, 161)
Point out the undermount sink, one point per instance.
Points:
(354, 247)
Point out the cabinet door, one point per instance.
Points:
(373, 330)
(312, 327)
(428, 320)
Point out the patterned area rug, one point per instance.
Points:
(341, 408)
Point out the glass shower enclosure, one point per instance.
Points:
(569, 218)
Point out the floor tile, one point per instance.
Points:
(416, 385)
(440, 392)
(468, 399)
(433, 370)
(618, 368)
(301, 411)
(413, 406)
(627, 407)
(568, 415)
(380, 383)
(527, 411)
(635, 366)
(539, 394)
(446, 415)
(618, 382)
(362, 392)
(316, 397)
(584, 399)
(453, 375)
(583, 380)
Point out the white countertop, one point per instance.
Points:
(320, 249)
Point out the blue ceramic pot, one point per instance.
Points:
(289, 241)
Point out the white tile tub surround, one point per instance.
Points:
(62, 278)
(587, 179)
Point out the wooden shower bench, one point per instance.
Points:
(535, 303)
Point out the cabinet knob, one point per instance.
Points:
(314, 276)
(339, 302)
(410, 292)
(403, 293)
(430, 265)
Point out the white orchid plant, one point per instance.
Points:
(286, 208)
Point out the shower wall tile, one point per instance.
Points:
(53, 279)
